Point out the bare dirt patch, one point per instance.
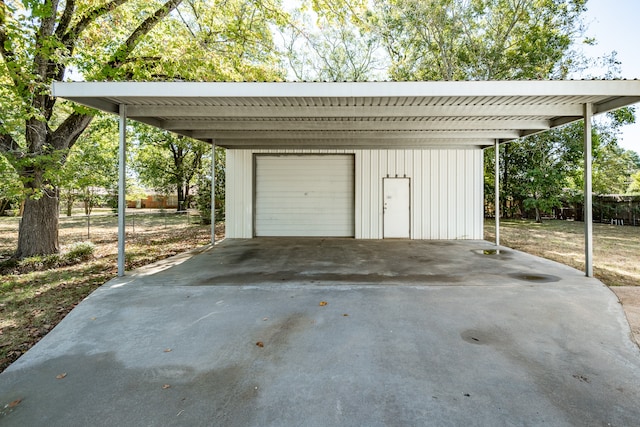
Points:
(629, 296)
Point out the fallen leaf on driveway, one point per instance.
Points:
(345, 315)
(260, 344)
(61, 376)
(581, 378)
(323, 303)
(14, 403)
(166, 386)
(167, 350)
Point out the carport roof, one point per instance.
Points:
(466, 114)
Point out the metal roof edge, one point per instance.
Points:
(348, 89)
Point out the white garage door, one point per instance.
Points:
(306, 195)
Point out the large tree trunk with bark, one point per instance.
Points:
(58, 31)
(38, 233)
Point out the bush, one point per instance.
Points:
(80, 251)
(76, 253)
(40, 262)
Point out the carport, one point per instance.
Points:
(417, 117)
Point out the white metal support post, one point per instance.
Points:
(496, 146)
(588, 208)
(122, 176)
(213, 191)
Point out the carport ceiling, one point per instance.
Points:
(355, 115)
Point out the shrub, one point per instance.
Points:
(40, 262)
(80, 251)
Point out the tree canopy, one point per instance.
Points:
(42, 41)
(168, 163)
(477, 39)
(90, 171)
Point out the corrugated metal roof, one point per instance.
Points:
(355, 115)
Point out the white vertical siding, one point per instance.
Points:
(239, 194)
(415, 157)
(446, 191)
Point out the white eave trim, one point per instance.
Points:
(347, 89)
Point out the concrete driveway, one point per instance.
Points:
(412, 333)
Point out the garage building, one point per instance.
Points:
(368, 160)
(366, 194)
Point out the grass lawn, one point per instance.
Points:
(616, 249)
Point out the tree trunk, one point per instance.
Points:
(538, 217)
(4, 203)
(180, 196)
(69, 205)
(187, 197)
(38, 233)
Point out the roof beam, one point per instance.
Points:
(564, 120)
(355, 135)
(323, 146)
(348, 125)
(542, 110)
(615, 104)
(363, 142)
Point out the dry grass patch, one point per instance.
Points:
(616, 249)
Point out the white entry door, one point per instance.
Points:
(396, 208)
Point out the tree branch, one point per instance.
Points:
(74, 32)
(41, 64)
(7, 143)
(65, 19)
(69, 36)
(144, 28)
(70, 130)
(48, 22)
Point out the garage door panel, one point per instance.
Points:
(295, 204)
(306, 195)
(297, 210)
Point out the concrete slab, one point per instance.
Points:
(412, 333)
